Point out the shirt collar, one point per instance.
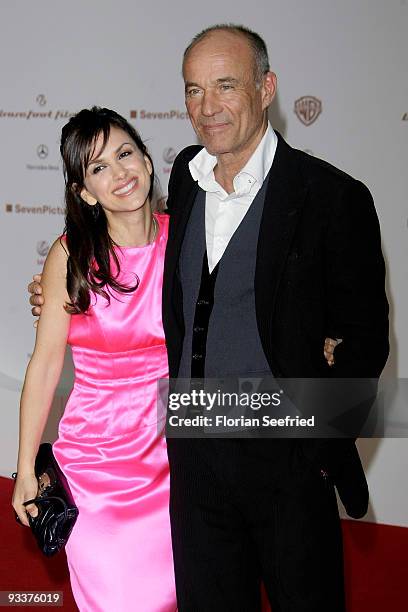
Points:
(257, 167)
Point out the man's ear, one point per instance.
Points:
(268, 89)
(87, 197)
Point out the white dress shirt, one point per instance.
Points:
(224, 212)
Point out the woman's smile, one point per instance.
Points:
(128, 188)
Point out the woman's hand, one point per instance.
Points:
(26, 488)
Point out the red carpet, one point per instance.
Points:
(376, 560)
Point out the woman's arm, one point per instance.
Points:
(42, 375)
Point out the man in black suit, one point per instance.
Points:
(270, 251)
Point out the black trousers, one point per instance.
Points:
(245, 511)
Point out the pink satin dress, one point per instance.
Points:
(112, 448)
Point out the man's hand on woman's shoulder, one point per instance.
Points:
(36, 298)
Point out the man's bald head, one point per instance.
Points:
(256, 43)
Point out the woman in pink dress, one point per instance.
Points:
(102, 285)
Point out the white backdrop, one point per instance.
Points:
(59, 57)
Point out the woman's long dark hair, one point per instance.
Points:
(86, 228)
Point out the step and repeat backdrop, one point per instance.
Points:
(343, 96)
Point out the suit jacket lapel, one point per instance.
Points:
(178, 223)
(284, 200)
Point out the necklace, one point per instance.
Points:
(155, 230)
(156, 227)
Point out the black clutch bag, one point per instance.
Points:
(57, 511)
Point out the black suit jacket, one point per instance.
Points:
(319, 273)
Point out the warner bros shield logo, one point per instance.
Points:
(307, 109)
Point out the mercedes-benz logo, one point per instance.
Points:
(42, 248)
(169, 155)
(41, 100)
(42, 151)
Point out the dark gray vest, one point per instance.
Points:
(233, 344)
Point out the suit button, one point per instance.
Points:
(197, 356)
(197, 328)
(203, 303)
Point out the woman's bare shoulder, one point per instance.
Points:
(55, 267)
